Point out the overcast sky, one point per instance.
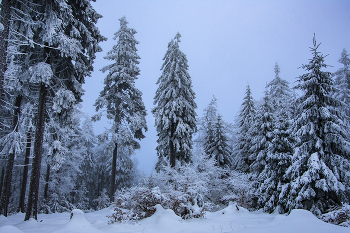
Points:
(228, 44)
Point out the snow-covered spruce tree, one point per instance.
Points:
(280, 150)
(11, 144)
(4, 35)
(120, 97)
(175, 116)
(262, 136)
(217, 145)
(11, 99)
(279, 92)
(320, 165)
(244, 122)
(64, 42)
(64, 146)
(87, 180)
(278, 159)
(205, 125)
(342, 85)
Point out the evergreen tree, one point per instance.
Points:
(63, 44)
(175, 108)
(342, 84)
(206, 124)
(11, 103)
(86, 182)
(217, 145)
(280, 150)
(278, 159)
(262, 136)
(5, 21)
(244, 122)
(280, 93)
(64, 147)
(320, 165)
(120, 97)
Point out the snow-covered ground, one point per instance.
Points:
(226, 220)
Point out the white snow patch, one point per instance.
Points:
(10, 229)
(77, 224)
(228, 220)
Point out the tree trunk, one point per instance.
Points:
(25, 173)
(47, 179)
(32, 204)
(4, 35)
(2, 179)
(114, 166)
(5, 199)
(171, 145)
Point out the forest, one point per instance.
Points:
(289, 150)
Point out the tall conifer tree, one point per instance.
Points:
(64, 42)
(342, 84)
(217, 145)
(244, 123)
(175, 108)
(262, 136)
(320, 165)
(120, 97)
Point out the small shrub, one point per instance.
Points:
(135, 204)
(102, 201)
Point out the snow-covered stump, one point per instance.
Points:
(77, 214)
(77, 223)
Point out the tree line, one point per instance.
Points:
(295, 148)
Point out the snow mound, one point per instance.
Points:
(162, 219)
(78, 224)
(10, 229)
(229, 211)
(31, 223)
(301, 221)
(162, 215)
(99, 223)
(298, 214)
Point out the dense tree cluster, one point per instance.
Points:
(284, 151)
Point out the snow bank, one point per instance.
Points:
(229, 220)
(10, 229)
(301, 221)
(31, 223)
(78, 224)
(162, 220)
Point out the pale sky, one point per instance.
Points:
(228, 44)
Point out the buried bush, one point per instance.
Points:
(185, 190)
(139, 202)
(135, 204)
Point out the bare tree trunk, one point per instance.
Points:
(47, 179)
(32, 204)
(114, 166)
(5, 198)
(2, 179)
(25, 173)
(4, 35)
(171, 145)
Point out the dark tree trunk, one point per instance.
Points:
(4, 35)
(2, 179)
(5, 197)
(172, 149)
(32, 204)
(114, 166)
(47, 179)
(25, 173)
